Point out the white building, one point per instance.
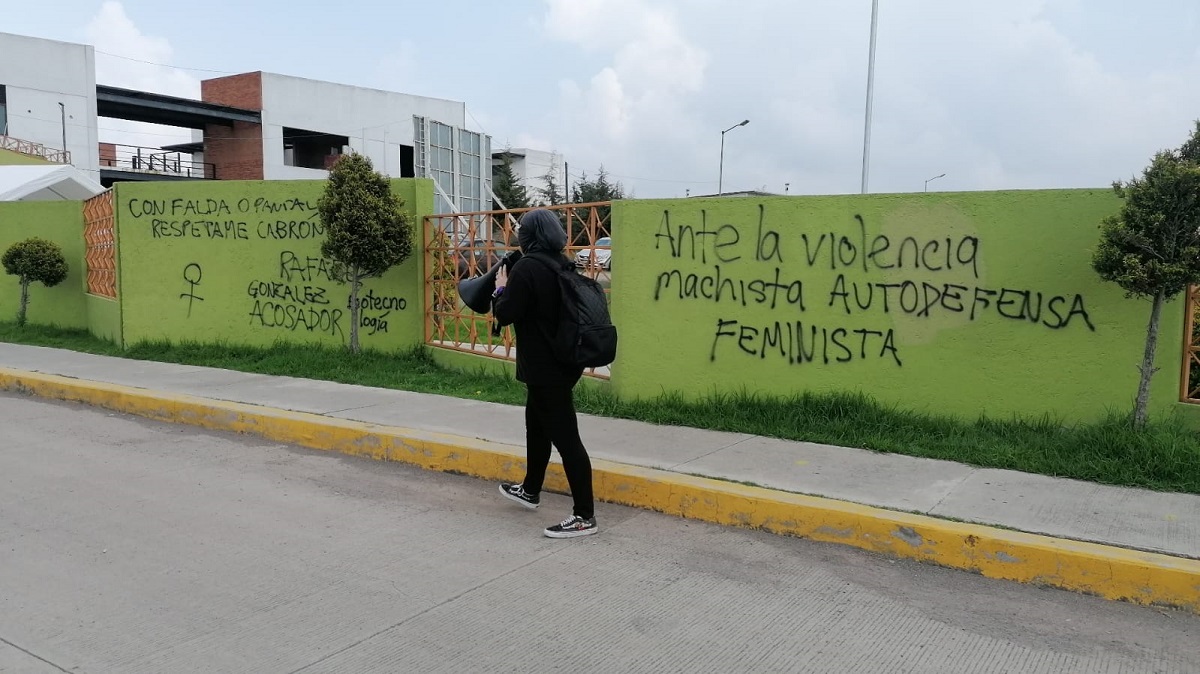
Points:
(307, 124)
(252, 126)
(531, 168)
(48, 94)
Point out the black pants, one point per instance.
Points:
(550, 418)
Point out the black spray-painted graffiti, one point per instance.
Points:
(747, 267)
(220, 219)
(371, 302)
(192, 275)
(300, 293)
(299, 300)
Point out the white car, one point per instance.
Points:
(603, 255)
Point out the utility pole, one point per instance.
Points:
(62, 108)
(870, 95)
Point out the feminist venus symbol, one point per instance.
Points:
(192, 274)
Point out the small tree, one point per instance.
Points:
(366, 232)
(600, 189)
(1152, 247)
(509, 190)
(34, 261)
(552, 194)
(588, 191)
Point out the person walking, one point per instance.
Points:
(529, 299)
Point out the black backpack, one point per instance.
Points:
(586, 336)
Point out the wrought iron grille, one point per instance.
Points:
(1189, 380)
(463, 245)
(100, 245)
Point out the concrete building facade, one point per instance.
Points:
(252, 126)
(48, 99)
(531, 167)
(307, 124)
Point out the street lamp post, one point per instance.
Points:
(933, 179)
(721, 171)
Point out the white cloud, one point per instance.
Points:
(652, 71)
(135, 67)
(1009, 91)
(1022, 94)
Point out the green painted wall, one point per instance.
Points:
(930, 301)
(62, 223)
(10, 158)
(104, 318)
(470, 362)
(240, 262)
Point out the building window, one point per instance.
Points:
(3, 110)
(441, 159)
(312, 149)
(455, 159)
(471, 170)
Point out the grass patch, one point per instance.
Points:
(1165, 456)
(413, 370)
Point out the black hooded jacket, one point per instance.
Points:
(531, 301)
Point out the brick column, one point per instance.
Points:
(236, 153)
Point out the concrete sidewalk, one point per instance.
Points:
(1065, 509)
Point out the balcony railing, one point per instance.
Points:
(154, 161)
(32, 149)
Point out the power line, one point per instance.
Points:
(207, 136)
(226, 72)
(477, 122)
(165, 65)
(581, 175)
(389, 123)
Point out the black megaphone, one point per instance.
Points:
(476, 292)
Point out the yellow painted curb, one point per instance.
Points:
(1104, 571)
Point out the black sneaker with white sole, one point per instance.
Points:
(572, 527)
(517, 493)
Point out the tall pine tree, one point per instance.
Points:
(508, 189)
(587, 191)
(552, 193)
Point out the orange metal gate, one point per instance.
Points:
(1189, 378)
(462, 245)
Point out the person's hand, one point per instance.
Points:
(501, 277)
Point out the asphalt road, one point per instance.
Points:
(129, 546)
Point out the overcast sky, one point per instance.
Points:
(996, 95)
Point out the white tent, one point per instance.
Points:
(46, 182)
